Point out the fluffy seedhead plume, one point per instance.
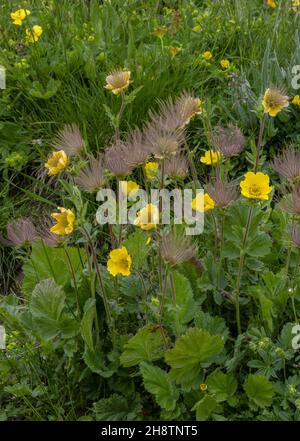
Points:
(137, 152)
(19, 233)
(163, 143)
(177, 249)
(295, 234)
(91, 178)
(50, 239)
(116, 159)
(222, 191)
(176, 167)
(228, 140)
(288, 164)
(291, 202)
(70, 140)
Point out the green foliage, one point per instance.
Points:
(146, 345)
(116, 408)
(260, 390)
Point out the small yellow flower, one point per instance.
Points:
(119, 262)
(207, 55)
(203, 202)
(160, 32)
(211, 158)
(34, 34)
(57, 162)
(129, 188)
(151, 170)
(274, 101)
(296, 99)
(225, 64)
(18, 16)
(296, 3)
(118, 81)
(271, 4)
(65, 221)
(256, 186)
(147, 218)
(174, 50)
(203, 387)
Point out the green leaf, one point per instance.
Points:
(96, 363)
(222, 386)
(185, 304)
(137, 248)
(144, 346)
(116, 408)
(192, 349)
(158, 383)
(260, 390)
(48, 262)
(46, 305)
(259, 245)
(86, 327)
(205, 407)
(212, 324)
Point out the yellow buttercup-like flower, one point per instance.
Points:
(34, 33)
(148, 217)
(129, 188)
(207, 55)
(203, 202)
(274, 101)
(151, 170)
(65, 221)
(271, 4)
(57, 162)
(174, 50)
(18, 16)
(119, 262)
(296, 99)
(118, 81)
(203, 387)
(210, 157)
(225, 64)
(256, 186)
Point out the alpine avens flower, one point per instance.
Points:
(19, 15)
(65, 221)
(271, 4)
(211, 157)
(228, 140)
(256, 186)
(176, 249)
(91, 178)
(174, 50)
(20, 233)
(207, 55)
(57, 162)
(70, 140)
(176, 167)
(129, 188)
(119, 262)
(203, 202)
(118, 81)
(151, 170)
(296, 100)
(147, 218)
(288, 164)
(225, 64)
(34, 33)
(274, 101)
(222, 192)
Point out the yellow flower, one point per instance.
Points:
(225, 64)
(151, 170)
(119, 262)
(147, 218)
(19, 15)
(203, 387)
(174, 50)
(271, 4)
(256, 186)
(34, 34)
(210, 157)
(160, 32)
(296, 99)
(296, 3)
(65, 221)
(118, 81)
(129, 188)
(203, 202)
(274, 101)
(57, 162)
(148, 241)
(207, 55)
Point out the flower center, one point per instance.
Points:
(255, 190)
